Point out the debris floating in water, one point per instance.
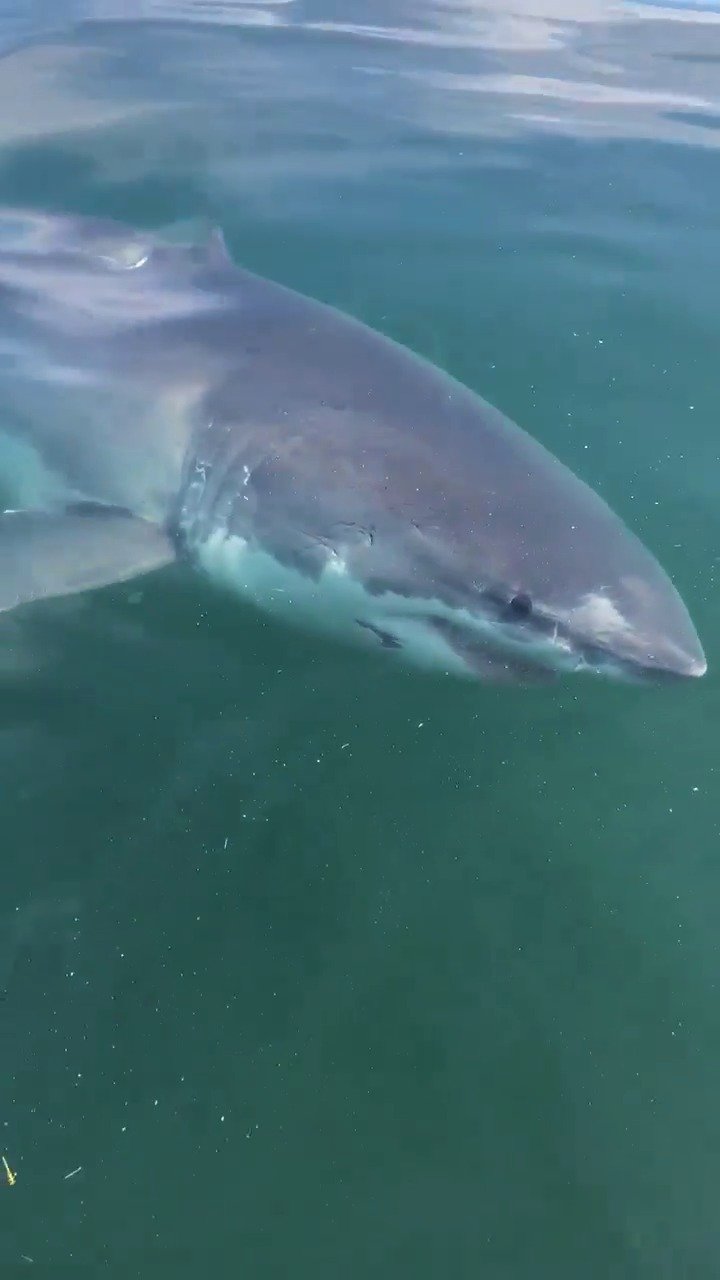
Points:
(72, 1173)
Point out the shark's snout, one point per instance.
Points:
(642, 623)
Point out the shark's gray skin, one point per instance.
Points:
(158, 401)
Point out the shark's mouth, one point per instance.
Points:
(489, 659)
(482, 652)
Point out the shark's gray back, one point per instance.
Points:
(330, 434)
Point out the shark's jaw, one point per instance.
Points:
(479, 643)
(422, 632)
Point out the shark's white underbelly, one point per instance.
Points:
(335, 603)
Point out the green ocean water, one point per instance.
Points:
(313, 966)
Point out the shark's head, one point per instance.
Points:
(498, 561)
(634, 628)
(568, 589)
(595, 601)
(631, 632)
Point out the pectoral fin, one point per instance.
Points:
(44, 554)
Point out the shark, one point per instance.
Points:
(159, 402)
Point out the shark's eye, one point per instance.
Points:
(520, 606)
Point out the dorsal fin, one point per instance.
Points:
(216, 250)
(203, 242)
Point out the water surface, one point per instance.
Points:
(314, 966)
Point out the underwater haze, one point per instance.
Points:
(312, 965)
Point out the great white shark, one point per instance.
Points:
(158, 401)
